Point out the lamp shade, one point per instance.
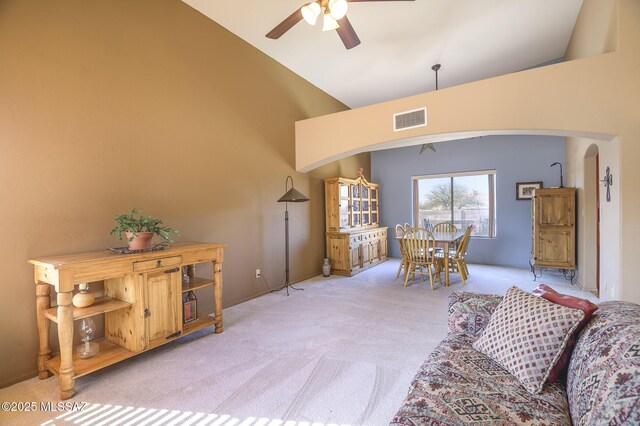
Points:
(338, 8)
(329, 23)
(310, 12)
(293, 196)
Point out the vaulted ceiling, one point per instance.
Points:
(401, 40)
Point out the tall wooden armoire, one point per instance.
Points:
(355, 240)
(553, 213)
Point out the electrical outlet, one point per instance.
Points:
(258, 275)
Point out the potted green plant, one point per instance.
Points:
(140, 229)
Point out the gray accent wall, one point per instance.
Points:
(515, 159)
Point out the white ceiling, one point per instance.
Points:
(472, 39)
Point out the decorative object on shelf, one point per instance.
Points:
(88, 347)
(559, 164)
(291, 196)
(185, 275)
(607, 182)
(189, 307)
(140, 230)
(524, 190)
(84, 298)
(326, 267)
(127, 250)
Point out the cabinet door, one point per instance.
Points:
(355, 257)
(554, 248)
(555, 210)
(383, 248)
(163, 304)
(374, 248)
(344, 205)
(337, 253)
(553, 219)
(366, 253)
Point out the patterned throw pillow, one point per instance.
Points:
(527, 335)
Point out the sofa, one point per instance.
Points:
(459, 385)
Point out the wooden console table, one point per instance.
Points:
(142, 304)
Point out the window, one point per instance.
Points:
(462, 198)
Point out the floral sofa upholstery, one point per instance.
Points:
(459, 385)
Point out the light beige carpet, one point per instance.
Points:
(341, 352)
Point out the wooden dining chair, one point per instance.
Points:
(457, 263)
(400, 235)
(420, 254)
(445, 227)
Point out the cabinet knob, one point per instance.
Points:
(159, 263)
(147, 314)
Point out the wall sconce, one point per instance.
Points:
(607, 182)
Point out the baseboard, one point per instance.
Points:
(19, 379)
(274, 288)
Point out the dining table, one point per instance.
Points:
(445, 239)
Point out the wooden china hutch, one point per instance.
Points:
(355, 240)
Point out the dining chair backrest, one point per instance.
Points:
(399, 230)
(419, 245)
(444, 227)
(464, 243)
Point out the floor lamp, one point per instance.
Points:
(291, 196)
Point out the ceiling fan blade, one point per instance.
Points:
(285, 25)
(347, 33)
(356, 1)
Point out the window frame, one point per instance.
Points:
(492, 195)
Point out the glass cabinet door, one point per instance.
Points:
(344, 213)
(374, 206)
(344, 205)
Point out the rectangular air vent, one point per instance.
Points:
(410, 119)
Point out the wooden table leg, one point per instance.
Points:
(217, 295)
(65, 336)
(43, 302)
(446, 263)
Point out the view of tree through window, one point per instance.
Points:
(464, 199)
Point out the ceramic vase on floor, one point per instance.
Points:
(326, 268)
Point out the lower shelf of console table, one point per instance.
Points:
(110, 353)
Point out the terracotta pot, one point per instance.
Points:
(141, 241)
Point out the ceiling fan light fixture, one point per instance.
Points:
(338, 8)
(310, 12)
(329, 23)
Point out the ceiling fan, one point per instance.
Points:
(333, 17)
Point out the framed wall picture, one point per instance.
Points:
(524, 190)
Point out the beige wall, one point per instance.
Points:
(596, 30)
(595, 33)
(595, 97)
(581, 168)
(108, 105)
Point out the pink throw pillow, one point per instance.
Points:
(584, 305)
